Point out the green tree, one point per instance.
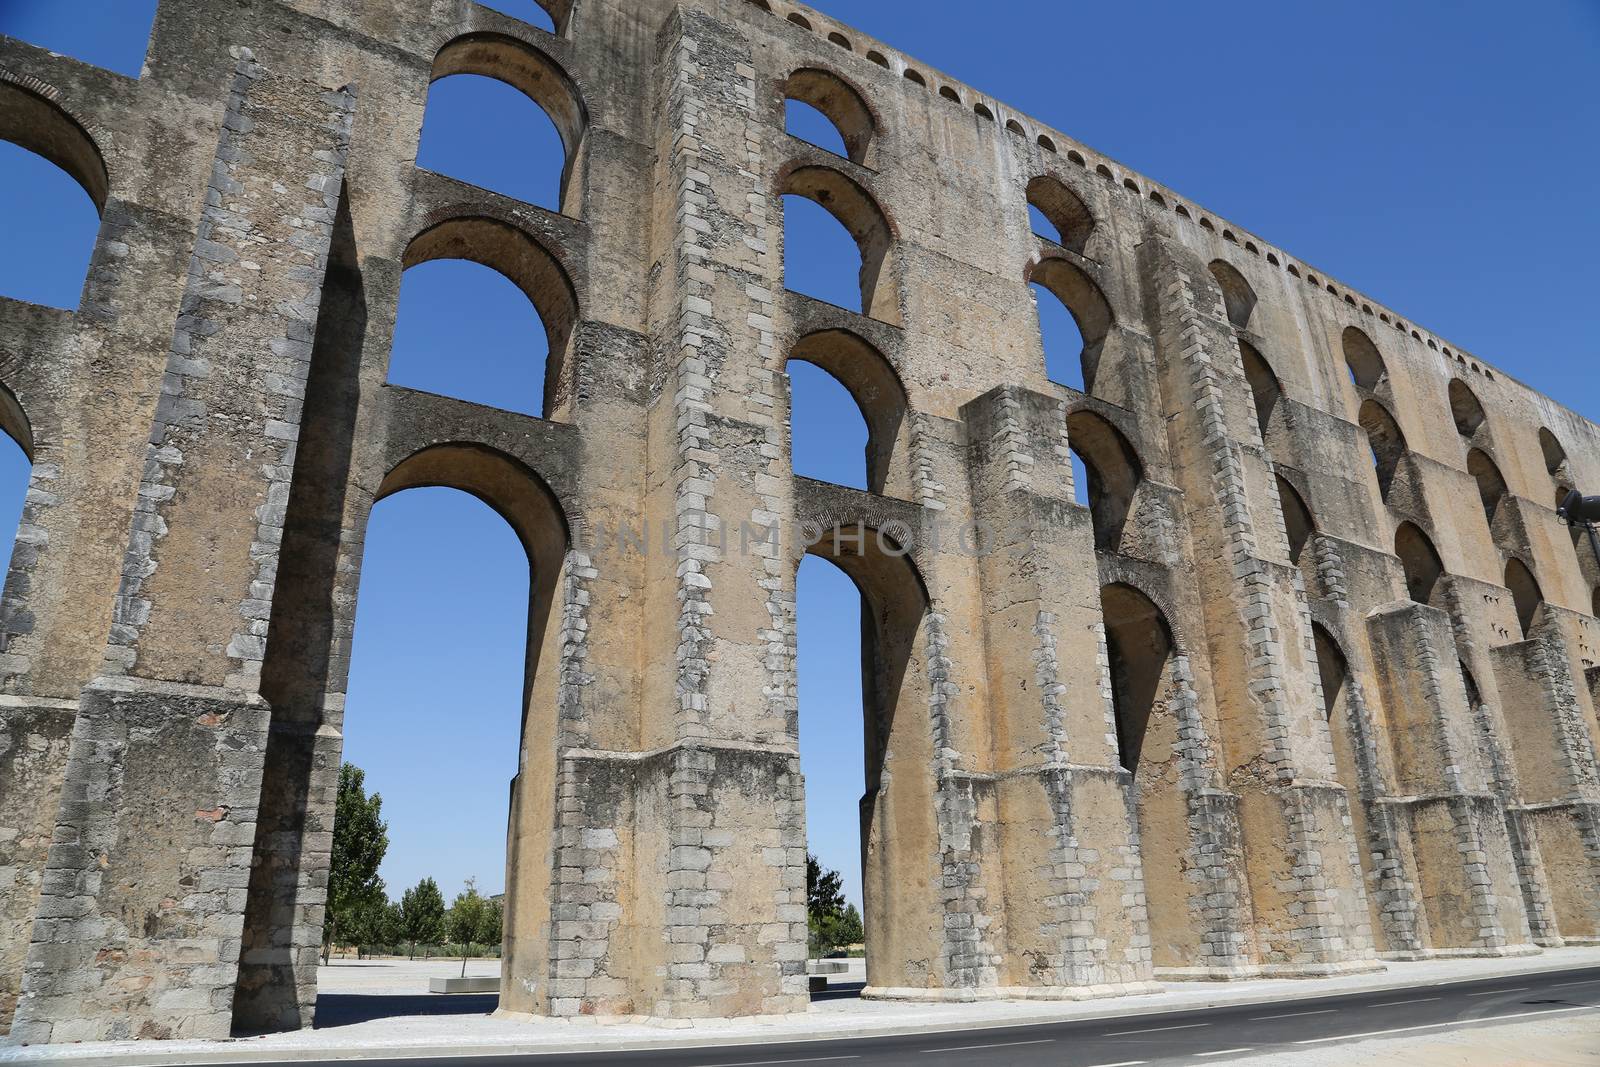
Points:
(422, 914)
(465, 919)
(360, 839)
(830, 922)
(491, 923)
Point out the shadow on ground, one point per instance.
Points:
(839, 991)
(347, 1009)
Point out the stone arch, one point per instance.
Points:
(1114, 472)
(1388, 444)
(531, 72)
(903, 912)
(1299, 526)
(1148, 693)
(1064, 209)
(14, 421)
(513, 252)
(15, 613)
(1088, 305)
(1525, 594)
(1334, 671)
(1420, 561)
(1265, 389)
(276, 985)
(1465, 408)
(32, 119)
(1139, 644)
(1362, 360)
(877, 391)
(1237, 296)
(1491, 485)
(859, 213)
(1555, 457)
(840, 102)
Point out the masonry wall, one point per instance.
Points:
(1264, 707)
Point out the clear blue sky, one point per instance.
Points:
(1437, 156)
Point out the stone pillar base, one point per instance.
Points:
(138, 926)
(35, 734)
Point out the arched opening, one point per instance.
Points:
(1388, 444)
(443, 556)
(1112, 471)
(430, 343)
(495, 356)
(1525, 593)
(54, 184)
(847, 412)
(16, 468)
(1344, 732)
(823, 109)
(446, 565)
(828, 436)
(1491, 486)
(1555, 457)
(1594, 603)
(1464, 408)
(1238, 298)
(853, 208)
(1265, 390)
(1058, 214)
(480, 128)
(1362, 360)
(536, 12)
(949, 93)
(835, 37)
(1145, 690)
(1420, 562)
(799, 20)
(900, 883)
(1090, 317)
(915, 78)
(1299, 528)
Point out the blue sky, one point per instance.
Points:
(1435, 155)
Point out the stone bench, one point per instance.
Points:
(470, 984)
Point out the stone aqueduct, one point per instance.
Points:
(1265, 707)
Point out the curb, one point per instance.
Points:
(238, 1050)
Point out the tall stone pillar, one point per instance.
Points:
(139, 921)
(1457, 852)
(720, 833)
(1310, 908)
(1547, 712)
(1073, 893)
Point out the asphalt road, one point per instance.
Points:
(1197, 1037)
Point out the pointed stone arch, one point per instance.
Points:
(1065, 210)
(1387, 442)
(530, 71)
(1083, 298)
(1419, 561)
(1491, 484)
(1114, 472)
(877, 391)
(512, 251)
(840, 102)
(1238, 298)
(1525, 594)
(1362, 359)
(1465, 409)
(859, 213)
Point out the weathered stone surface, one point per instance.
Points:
(1252, 711)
